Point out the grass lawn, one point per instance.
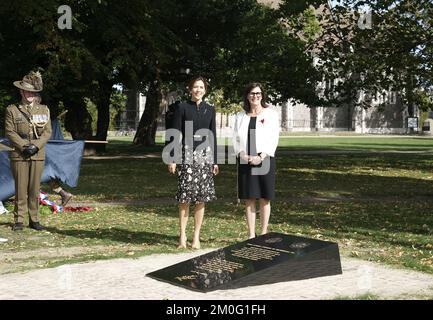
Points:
(377, 206)
(364, 143)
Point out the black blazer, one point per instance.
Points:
(202, 117)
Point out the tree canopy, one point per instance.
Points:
(146, 45)
(377, 47)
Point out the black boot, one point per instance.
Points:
(36, 226)
(18, 226)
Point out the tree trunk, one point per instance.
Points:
(78, 120)
(284, 123)
(131, 112)
(409, 99)
(103, 105)
(410, 107)
(146, 131)
(410, 102)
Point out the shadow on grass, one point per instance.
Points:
(369, 220)
(350, 161)
(119, 235)
(355, 175)
(355, 185)
(116, 148)
(138, 181)
(7, 224)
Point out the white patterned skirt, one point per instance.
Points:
(195, 178)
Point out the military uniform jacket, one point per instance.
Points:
(27, 124)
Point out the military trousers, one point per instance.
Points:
(27, 175)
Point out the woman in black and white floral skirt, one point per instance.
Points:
(195, 119)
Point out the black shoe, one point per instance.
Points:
(36, 226)
(17, 226)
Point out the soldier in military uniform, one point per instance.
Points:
(28, 127)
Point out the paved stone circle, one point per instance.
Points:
(126, 279)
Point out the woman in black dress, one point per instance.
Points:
(195, 119)
(256, 133)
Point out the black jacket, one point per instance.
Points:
(202, 117)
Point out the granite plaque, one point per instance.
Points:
(271, 258)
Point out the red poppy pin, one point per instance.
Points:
(262, 121)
